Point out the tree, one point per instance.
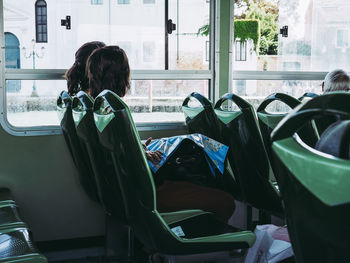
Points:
(268, 28)
(267, 12)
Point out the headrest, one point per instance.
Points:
(336, 140)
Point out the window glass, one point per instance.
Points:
(255, 91)
(96, 2)
(188, 48)
(40, 21)
(317, 40)
(123, 2)
(117, 23)
(33, 103)
(149, 1)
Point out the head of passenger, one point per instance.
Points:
(76, 76)
(108, 68)
(336, 80)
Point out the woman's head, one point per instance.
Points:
(108, 68)
(76, 76)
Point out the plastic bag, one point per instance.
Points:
(272, 245)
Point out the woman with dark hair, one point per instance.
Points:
(76, 78)
(108, 68)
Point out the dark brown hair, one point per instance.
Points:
(76, 77)
(108, 68)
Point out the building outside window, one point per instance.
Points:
(97, 2)
(41, 21)
(149, 1)
(123, 2)
(207, 50)
(149, 51)
(241, 50)
(342, 38)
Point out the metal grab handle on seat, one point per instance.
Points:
(241, 103)
(308, 95)
(285, 98)
(64, 98)
(112, 99)
(295, 120)
(203, 100)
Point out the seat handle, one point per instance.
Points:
(241, 103)
(285, 98)
(82, 98)
(295, 120)
(113, 101)
(203, 100)
(64, 98)
(308, 95)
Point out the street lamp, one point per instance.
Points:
(33, 54)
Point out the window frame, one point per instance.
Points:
(242, 50)
(42, 23)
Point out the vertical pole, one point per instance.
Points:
(150, 96)
(166, 16)
(177, 30)
(224, 47)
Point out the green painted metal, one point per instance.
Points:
(327, 177)
(227, 116)
(174, 217)
(192, 112)
(224, 46)
(271, 120)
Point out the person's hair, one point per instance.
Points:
(337, 80)
(76, 76)
(108, 68)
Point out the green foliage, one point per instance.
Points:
(266, 12)
(269, 28)
(204, 30)
(245, 29)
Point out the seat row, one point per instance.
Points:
(113, 169)
(16, 243)
(312, 186)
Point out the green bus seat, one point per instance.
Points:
(308, 95)
(203, 120)
(9, 215)
(118, 134)
(16, 246)
(247, 154)
(314, 185)
(268, 121)
(98, 157)
(80, 157)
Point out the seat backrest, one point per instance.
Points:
(268, 121)
(314, 187)
(80, 157)
(118, 135)
(247, 154)
(98, 157)
(201, 119)
(336, 140)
